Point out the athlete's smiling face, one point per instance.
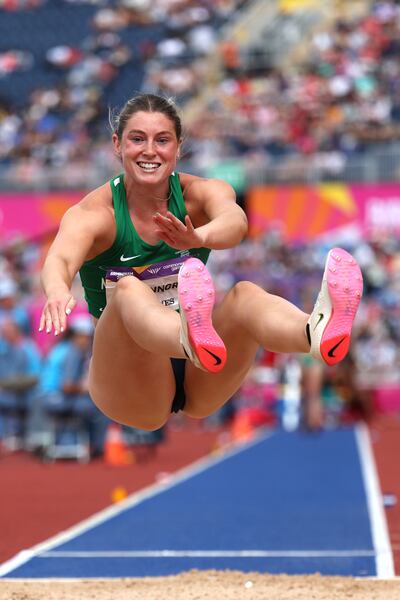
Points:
(148, 147)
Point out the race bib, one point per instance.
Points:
(161, 277)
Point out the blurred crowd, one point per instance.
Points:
(43, 379)
(66, 123)
(340, 101)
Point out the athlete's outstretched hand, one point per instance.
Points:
(59, 305)
(181, 236)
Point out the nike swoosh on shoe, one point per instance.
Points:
(335, 347)
(320, 317)
(218, 360)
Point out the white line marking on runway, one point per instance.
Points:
(211, 554)
(379, 528)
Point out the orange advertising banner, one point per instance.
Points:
(304, 212)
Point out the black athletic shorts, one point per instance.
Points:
(178, 366)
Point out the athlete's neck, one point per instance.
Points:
(147, 200)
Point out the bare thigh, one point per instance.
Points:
(127, 383)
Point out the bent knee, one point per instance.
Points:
(127, 283)
(241, 293)
(129, 288)
(244, 288)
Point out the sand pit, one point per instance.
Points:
(208, 585)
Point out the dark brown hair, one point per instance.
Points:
(145, 103)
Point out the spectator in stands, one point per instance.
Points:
(15, 60)
(11, 307)
(63, 392)
(20, 364)
(63, 57)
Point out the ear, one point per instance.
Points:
(117, 145)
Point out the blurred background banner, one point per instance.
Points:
(303, 212)
(33, 215)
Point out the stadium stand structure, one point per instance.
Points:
(263, 35)
(55, 23)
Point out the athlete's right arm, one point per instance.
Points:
(79, 230)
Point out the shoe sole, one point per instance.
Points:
(196, 299)
(344, 285)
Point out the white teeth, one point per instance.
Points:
(148, 166)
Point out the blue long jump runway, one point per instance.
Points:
(286, 503)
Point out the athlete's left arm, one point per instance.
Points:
(214, 218)
(227, 222)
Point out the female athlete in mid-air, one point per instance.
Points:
(140, 243)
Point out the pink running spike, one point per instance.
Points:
(331, 321)
(200, 340)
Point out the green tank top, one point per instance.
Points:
(156, 265)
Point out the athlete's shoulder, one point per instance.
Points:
(94, 209)
(187, 179)
(100, 197)
(197, 187)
